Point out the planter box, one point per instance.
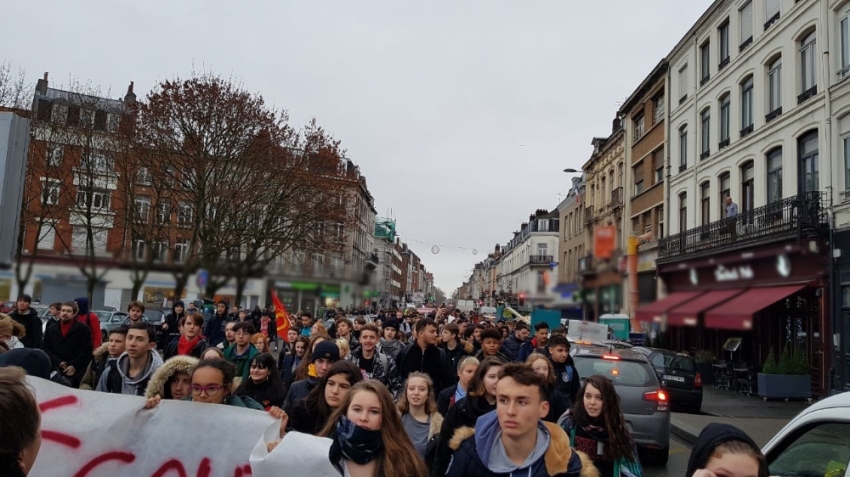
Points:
(785, 386)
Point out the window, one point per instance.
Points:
(771, 12)
(747, 187)
(50, 191)
(143, 176)
(705, 202)
(723, 44)
(846, 163)
(705, 132)
(163, 213)
(639, 125)
(808, 65)
(184, 213)
(818, 448)
(725, 108)
(725, 191)
(683, 148)
(143, 207)
(86, 118)
(683, 212)
(747, 106)
(774, 81)
(47, 236)
(658, 108)
(808, 153)
(139, 250)
(683, 83)
(181, 251)
(159, 252)
(746, 20)
(638, 179)
(774, 175)
(658, 162)
(659, 218)
(542, 250)
(844, 38)
(99, 200)
(80, 244)
(97, 162)
(55, 155)
(705, 62)
(112, 121)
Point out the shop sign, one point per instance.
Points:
(733, 274)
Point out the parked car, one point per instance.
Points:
(679, 375)
(816, 443)
(109, 320)
(642, 400)
(156, 317)
(7, 307)
(42, 314)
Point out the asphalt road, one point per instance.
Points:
(676, 465)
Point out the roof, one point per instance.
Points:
(79, 99)
(660, 71)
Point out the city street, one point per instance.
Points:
(678, 463)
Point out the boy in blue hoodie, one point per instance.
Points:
(514, 440)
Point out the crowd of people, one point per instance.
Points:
(396, 393)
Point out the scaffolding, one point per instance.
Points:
(385, 229)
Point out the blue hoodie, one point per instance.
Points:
(82, 306)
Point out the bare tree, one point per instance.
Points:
(15, 91)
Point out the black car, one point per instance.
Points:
(678, 374)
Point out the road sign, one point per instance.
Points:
(203, 278)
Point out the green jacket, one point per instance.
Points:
(242, 363)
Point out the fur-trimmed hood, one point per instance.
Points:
(468, 347)
(177, 364)
(559, 457)
(436, 424)
(100, 351)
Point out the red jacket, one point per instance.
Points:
(93, 323)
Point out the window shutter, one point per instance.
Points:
(747, 22)
(771, 8)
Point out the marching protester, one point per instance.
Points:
(241, 352)
(536, 343)
(390, 344)
(454, 347)
(69, 344)
(11, 332)
(344, 348)
(567, 380)
(541, 365)
(172, 321)
(491, 342)
(20, 440)
(425, 356)
(173, 379)
(513, 343)
(513, 439)
(130, 373)
(480, 399)
(343, 330)
(263, 384)
(292, 335)
(53, 314)
(306, 323)
(419, 413)
(212, 353)
(190, 342)
(725, 450)
(596, 426)
(374, 364)
(324, 355)
(29, 319)
(135, 312)
(90, 319)
(212, 383)
(452, 394)
(214, 330)
(287, 364)
(304, 369)
(107, 353)
(310, 414)
(261, 342)
(229, 336)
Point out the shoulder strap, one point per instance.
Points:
(113, 378)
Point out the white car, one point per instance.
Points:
(816, 443)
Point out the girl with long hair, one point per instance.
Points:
(263, 384)
(541, 365)
(480, 399)
(304, 369)
(287, 364)
(596, 426)
(419, 413)
(309, 415)
(368, 437)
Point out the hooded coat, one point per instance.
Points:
(173, 319)
(464, 413)
(116, 380)
(32, 323)
(712, 436)
(96, 367)
(477, 453)
(158, 384)
(86, 317)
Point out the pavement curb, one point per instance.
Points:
(683, 431)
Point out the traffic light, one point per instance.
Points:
(521, 297)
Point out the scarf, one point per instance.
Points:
(352, 442)
(311, 371)
(185, 346)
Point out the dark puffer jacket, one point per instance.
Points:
(463, 414)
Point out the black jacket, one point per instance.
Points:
(511, 346)
(32, 323)
(75, 348)
(567, 380)
(287, 373)
(464, 413)
(463, 348)
(302, 420)
(214, 329)
(446, 399)
(298, 391)
(433, 361)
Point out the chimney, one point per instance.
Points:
(130, 97)
(616, 124)
(41, 86)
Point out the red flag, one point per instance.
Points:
(281, 317)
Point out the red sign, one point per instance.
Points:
(603, 241)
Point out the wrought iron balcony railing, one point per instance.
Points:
(541, 260)
(617, 197)
(789, 216)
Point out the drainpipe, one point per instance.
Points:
(631, 267)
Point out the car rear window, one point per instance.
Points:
(620, 372)
(673, 361)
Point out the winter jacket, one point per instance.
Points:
(85, 316)
(557, 405)
(567, 380)
(463, 348)
(390, 348)
(298, 391)
(501, 357)
(197, 350)
(214, 329)
(552, 456)
(432, 361)
(115, 379)
(511, 346)
(286, 366)
(446, 399)
(243, 362)
(436, 422)
(173, 321)
(264, 393)
(75, 348)
(32, 323)
(302, 420)
(158, 384)
(527, 349)
(383, 369)
(464, 413)
(96, 367)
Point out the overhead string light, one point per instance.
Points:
(437, 248)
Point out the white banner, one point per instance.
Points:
(93, 434)
(312, 455)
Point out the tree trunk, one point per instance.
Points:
(241, 282)
(180, 285)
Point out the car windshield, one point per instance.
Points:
(821, 450)
(620, 372)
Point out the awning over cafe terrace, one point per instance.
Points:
(654, 312)
(737, 313)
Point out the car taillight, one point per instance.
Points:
(659, 397)
(698, 381)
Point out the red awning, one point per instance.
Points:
(737, 313)
(686, 314)
(655, 310)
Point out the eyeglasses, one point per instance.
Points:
(257, 366)
(210, 390)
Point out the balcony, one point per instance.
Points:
(372, 262)
(585, 265)
(617, 197)
(588, 215)
(785, 218)
(541, 260)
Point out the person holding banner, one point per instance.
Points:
(212, 380)
(173, 379)
(20, 440)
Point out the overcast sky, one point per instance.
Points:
(461, 114)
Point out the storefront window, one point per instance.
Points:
(155, 297)
(5, 290)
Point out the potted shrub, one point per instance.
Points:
(787, 378)
(705, 360)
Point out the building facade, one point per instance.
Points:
(527, 257)
(571, 245)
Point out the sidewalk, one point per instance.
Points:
(760, 419)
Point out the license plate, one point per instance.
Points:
(678, 379)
